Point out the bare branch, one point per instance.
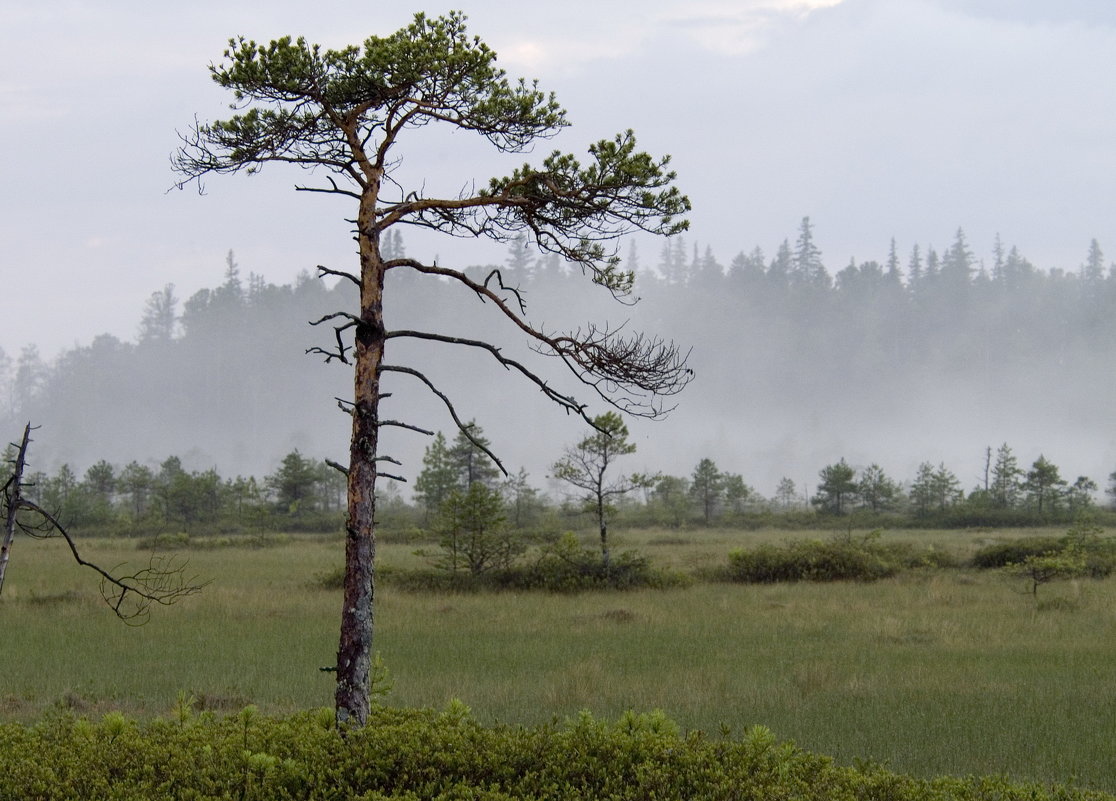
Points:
(514, 290)
(130, 597)
(341, 354)
(323, 271)
(464, 428)
(567, 402)
(596, 356)
(408, 426)
(337, 466)
(334, 190)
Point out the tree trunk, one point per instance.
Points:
(354, 655)
(11, 503)
(605, 555)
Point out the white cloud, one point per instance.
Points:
(733, 28)
(727, 27)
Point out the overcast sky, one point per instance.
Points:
(877, 118)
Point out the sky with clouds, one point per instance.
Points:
(877, 118)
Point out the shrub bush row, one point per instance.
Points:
(423, 754)
(1084, 541)
(841, 558)
(556, 570)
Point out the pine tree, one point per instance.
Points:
(438, 478)
(837, 488)
(471, 458)
(1044, 486)
(786, 494)
(1092, 271)
(1004, 487)
(707, 487)
(878, 492)
(807, 267)
(590, 467)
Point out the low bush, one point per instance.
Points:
(842, 558)
(424, 754)
(1083, 541)
(561, 566)
(1097, 552)
(1002, 554)
(183, 541)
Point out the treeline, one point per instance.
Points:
(138, 499)
(793, 359)
(481, 514)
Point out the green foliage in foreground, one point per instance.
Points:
(841, 558)
(413, 754)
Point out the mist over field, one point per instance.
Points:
(796, 366)
(905, 119)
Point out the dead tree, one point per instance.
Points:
(340, 114)
(130, 596)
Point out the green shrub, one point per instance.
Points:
(842, 558)
(1098, 553)
(1002, 554)
(561, 566)
(1083, 539)
(424, 754)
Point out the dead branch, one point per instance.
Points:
(463, 427)
(338, 467)
(324, 271)
(633, 373)
(163, 581)
(568, 403)
(341, 354)
(504, 287)
(408, 426)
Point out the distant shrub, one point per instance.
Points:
(328, 579)
(842, 558)
(1002, 554)
(561, 566)
(1097, 552)
(164, 542)
(181, 541)
(1083, 540)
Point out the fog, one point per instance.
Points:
(878, 118)
(865, 364)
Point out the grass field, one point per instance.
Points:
(937, 672)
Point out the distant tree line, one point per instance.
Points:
(301, 493)
(222, 377)
(480, 515)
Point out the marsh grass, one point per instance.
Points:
(931, 672)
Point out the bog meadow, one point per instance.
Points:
(941, 668)
(891, 629)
